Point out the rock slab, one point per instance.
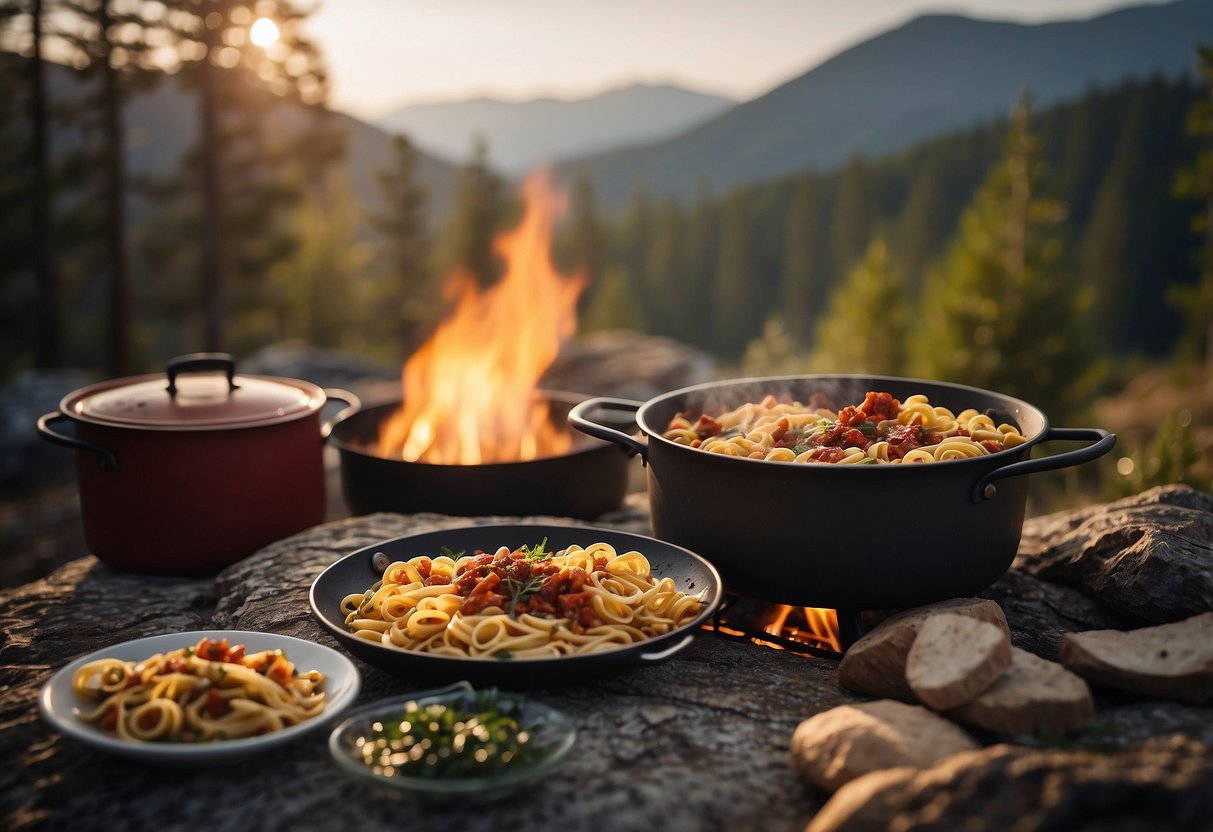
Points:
(1165, 785)
(1033, 696)
(876, 663)
(1170, 661)
(954, 658)
(838, 745)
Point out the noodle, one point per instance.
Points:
(880, 431)
(523, 604)
(198, 694)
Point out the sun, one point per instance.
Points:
(264, 32)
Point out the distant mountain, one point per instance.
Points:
(523, 135)
(934, 74)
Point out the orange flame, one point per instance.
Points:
(470, 390)
(820, 626)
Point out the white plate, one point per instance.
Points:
(58, 701)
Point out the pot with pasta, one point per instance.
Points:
(840, 491)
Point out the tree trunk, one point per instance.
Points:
(48, 340)
(118, 319)
(212, 201)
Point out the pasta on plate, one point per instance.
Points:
(879, 431)
(207, 692)
(522, 604)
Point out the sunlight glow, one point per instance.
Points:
(264, 32)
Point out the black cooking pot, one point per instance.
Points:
(586, 482)
(849, 537)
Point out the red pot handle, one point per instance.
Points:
(106, 460)
(352, 405)
(200, 362)
(1104, 441)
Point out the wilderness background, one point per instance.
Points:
(1019, 207)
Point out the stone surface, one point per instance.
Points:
(954, 658)
(835, 747)
(1167, 784)
(1171, 661)
(1033, 696)
(699, 742)
(876, 664)
(712, 725)
(1149, 557)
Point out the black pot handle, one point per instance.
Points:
(106, 460)
(200, 362)
(1104, 441)
(579, 418)
(352, 405)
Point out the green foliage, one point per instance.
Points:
(1004, 312)
(867, 324)
(1173, 455)
(1195, 182)
(800, 278)
(775, 353)
(407, 291)
(733, 291)
(482, 208)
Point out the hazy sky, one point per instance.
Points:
(386, 53)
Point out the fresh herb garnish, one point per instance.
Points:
(730, 433)
(447, 552)
(867, 428)
(521, 591)
(536, 552)
(473, 737)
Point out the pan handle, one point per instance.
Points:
(1103, 440)
(662, 655)
(352, 405)
(106, 460)
(579, 417)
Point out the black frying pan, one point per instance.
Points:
(354, 574)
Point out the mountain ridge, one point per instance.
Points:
(935, 73)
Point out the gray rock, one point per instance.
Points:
(1148, 557)
(1160, 785)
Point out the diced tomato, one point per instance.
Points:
(216, 705)
(880, 406)
(707, 426)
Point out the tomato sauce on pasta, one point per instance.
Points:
(521, 603)
(879, 431)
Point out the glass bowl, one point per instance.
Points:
(373, 744)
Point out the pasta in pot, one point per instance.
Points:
(202, 693)
(880, 431)
(523, 604)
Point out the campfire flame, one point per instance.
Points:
(820, 626)
(470, 392)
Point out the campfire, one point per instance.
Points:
(470, 392)
(813, 630)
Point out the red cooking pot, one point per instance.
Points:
(194, 469)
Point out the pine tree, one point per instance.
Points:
(1004, 312)
(244, 161)
(411, 293)
(733, 295)
(1195, 182)
(925, 223)
(482, 208)
(800, 278)
(665, 275)
(108, 44)
(866, 326)
(852, 216)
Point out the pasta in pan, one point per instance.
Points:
(202, 693)
(522, 604)
(881, 430)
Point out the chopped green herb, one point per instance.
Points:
(447, 552)
(480, 735)
(536, 552)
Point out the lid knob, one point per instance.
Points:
(200, 362)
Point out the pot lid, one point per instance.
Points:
(198, 391)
